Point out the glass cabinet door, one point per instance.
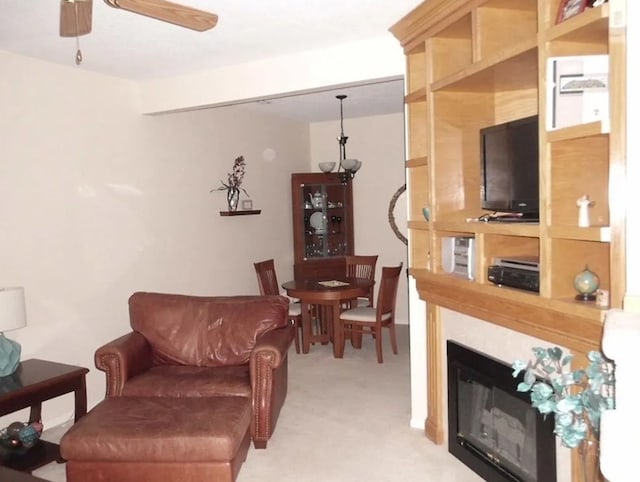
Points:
(322, 209)
(324, 220)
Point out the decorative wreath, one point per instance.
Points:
(392, 219)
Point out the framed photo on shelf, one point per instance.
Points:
(577, 90)
(570, 8)
(247, 204)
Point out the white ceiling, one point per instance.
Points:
(127, 45)
(362, 101)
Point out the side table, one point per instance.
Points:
(34, 382)
(10, 475)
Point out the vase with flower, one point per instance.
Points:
(577, 399)
(233, 184)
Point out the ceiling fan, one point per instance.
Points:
(75, 15)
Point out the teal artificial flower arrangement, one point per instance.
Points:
(577, 398)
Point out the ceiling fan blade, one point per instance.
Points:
(169, 12)
(75, 17)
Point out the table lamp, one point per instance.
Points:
(12, 317)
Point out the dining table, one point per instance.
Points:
(324, 298)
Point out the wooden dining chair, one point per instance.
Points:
(268, 284)
(359, 266)
(370, 320)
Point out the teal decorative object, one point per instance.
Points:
(12, 317)
(576, 398)
(18, 437)
(9, 356)
(586, 284)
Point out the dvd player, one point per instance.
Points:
(522, 272)
(520, 262)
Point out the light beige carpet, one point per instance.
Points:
(344, 420)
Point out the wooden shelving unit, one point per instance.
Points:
(472, 64)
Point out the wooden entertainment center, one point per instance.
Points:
(477, 63)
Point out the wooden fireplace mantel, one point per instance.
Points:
(518, 311)
(521, 312)
(573, 324)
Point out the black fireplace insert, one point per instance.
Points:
(492, 427)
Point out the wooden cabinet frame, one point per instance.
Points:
(473, 63)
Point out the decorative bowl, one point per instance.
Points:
(18, 437)
(326, 166)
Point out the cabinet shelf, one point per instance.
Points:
(564, 321)
(514, 229)
(594, 233)
(587, 309)
(492, 73)
(419, 95)
(417, 162)
(591, 26)
(421, 225)
(578, 131)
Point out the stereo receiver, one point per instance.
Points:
(458, 256)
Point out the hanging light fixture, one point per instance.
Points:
(349, 166)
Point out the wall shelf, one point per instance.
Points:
(245, 212)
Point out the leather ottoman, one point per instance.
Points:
(151, 439)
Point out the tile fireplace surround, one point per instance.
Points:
(498, 342)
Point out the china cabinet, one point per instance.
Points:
(322, 210)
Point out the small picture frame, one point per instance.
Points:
(247, 204)
(570, 8)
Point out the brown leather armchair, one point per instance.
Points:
(191, 346)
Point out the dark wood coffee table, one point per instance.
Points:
(34, 382)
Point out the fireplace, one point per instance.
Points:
(492, 427)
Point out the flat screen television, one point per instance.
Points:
(509, 168)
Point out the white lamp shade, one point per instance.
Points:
(348, 164)
(13, 313)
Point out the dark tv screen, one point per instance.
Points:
(509, 164)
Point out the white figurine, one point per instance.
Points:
(584, 203)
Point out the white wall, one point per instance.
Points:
(377, 141)
(97, 201)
